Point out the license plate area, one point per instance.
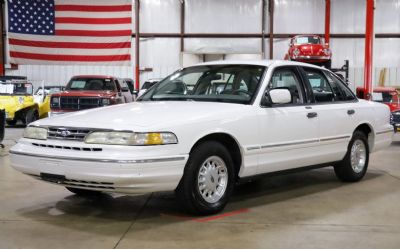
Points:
(53, 178)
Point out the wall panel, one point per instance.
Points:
(223, 16)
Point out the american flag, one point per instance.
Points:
(70, 32)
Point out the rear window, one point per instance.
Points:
(94, 84)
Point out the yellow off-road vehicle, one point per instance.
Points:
(16, 97)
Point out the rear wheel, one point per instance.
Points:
(11, 122)
(83, 192)
(327, 64)
(208, 179)
(355, 163)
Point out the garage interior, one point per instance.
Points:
(309, 209)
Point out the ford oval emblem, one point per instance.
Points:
(65, 133)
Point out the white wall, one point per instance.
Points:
(244, 16)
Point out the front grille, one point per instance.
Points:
(79, 183)
(64, 133)
(396, 117)
(79, 103)
(67, 147)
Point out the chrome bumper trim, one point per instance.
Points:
(153, 160)
(333, 138)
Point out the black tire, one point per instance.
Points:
(344, 170)
(83, 192)
(11, 122)
(188, 190)
(327, 64)
(30, 116)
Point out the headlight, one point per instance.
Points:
(296, 52)
(131, 138)
(326, 51)
(55, 102)
(35, 133)
(105, 102)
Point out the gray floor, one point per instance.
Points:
(304, 210)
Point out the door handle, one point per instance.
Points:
(351, 112)
(312, 115)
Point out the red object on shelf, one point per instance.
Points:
(309, 49)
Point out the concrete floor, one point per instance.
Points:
(304, 210)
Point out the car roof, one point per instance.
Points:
(266, 63)
(305, 36)
(94, 76)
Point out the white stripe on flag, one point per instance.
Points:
(94, 3)
(87, 39)
(80, 14)
(69, 51)
(104, 27)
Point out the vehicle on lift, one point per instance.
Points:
(309, 49)
(16, 97)
(388, 96)
(147, 84)
(89, 91)
(200, 142)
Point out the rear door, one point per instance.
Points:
(336, 112)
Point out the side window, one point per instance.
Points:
(287, 79)
(345, 93)
(320, 86)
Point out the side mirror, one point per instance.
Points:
(280, 96)
(277, 97)
(135, 92)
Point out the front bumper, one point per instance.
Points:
(396, 127)
(311, 57)
(107, 170)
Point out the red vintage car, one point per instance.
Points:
(90, 91)
(309, 49)
(388, 96)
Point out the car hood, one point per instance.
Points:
(104, 94)
(142, 116)
(310, 49)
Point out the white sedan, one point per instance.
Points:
(204, 128)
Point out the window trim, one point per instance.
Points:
(295, 69)
(324, 72)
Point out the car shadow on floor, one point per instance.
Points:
(163, 208)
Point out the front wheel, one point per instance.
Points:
(355, 163)
(208, 179)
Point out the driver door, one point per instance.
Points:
(289, 132)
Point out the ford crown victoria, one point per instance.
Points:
(204, 128)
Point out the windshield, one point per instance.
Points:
(385, 97)
(95, 84)
(213, 83)
(308, 40)
(16, 89)
(48, 90)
